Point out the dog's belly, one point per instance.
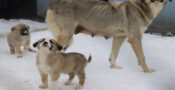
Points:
(106, 34)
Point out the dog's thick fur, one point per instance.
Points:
(19, 36)
(100, 18)
(51, 61)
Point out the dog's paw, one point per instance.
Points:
(12, 52)
(116, 66)
(43, 86)
(34, 51)
(67, 83)
(31, 50)
(19, 56)
(78, 87)
(150, 70)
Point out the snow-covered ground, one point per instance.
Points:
(22, 74)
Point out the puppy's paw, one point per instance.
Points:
(33, 51)
(67, 83)
(150, 70)
(43, 86)
(116, 66)
(78, 87)
(12, 52)
(19, 56)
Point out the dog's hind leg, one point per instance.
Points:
(136, 44)
(117, 42)
(71, 77)
(81, 77)
(19, 52)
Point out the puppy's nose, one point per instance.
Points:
(45, 43)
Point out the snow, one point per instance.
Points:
(22, 74)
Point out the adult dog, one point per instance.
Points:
(97, 17)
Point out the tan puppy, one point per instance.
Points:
(51, 61)
(19, 36)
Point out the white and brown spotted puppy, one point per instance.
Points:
(50, 61)
(19, 36)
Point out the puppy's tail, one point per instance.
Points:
(89, 59)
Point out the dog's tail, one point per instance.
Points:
(89, 59)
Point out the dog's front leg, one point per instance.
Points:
(53, 83)
(19, 52)
(117, 42)
(136, 44)
(12, 49)
(44, 79)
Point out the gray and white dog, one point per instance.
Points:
(118, 20)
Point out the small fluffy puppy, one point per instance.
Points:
(19, 36)
(51, 61)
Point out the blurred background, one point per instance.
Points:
(35, 9)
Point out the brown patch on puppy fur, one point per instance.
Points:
(51, 61)
(19, 36)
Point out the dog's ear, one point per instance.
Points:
(142, 1)
(152, 0)
(13, 28)
(59, 47)
(28, 27)
(170, 0)
(35, 44)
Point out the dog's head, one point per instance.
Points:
(155, 2)
(21, 29)
(48, 44)
(150, 7)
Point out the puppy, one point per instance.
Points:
(51, 61)
(19, 36)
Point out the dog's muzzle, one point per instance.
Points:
(45, 44)
(25, 32)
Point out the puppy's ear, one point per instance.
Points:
(13, 28)
(143, 1)
(28, 27)
(152, 0)
(35, 44)
(39, 41)
(59, 47)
